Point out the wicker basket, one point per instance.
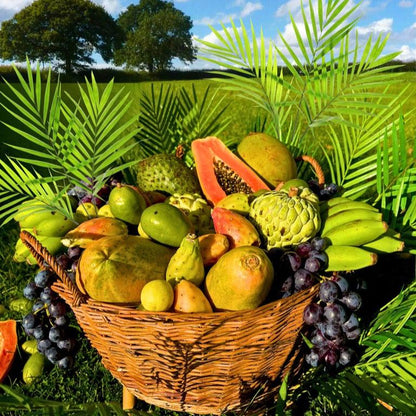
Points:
(209, 363)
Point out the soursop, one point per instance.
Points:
(286, 218)
(197, 210)
(166, 173)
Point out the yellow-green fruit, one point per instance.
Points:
(237, 202)
(269, 157)
(157, 296)
(126, 204)
(105, 211)
(31, 213)
(187, 263)
(116, 268)
(30, 346)
(21, 305)
(86, 210)
(165, 224)
(189, 298)
(241, 279)
(33, 369)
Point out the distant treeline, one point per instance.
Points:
(104, 75)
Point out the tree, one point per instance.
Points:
(66, 32)
(155, 33)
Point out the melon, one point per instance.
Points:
(8, 345)
(221, 172)
(116, 268)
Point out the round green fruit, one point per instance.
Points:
(126, 204)
(294, 183)
(165, 224)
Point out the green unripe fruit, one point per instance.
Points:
(126, 204)
(165, 224)
(33, 368)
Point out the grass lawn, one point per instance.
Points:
(88, 381)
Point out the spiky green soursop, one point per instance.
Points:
(166, 173)
(286, 218)
(197, 210)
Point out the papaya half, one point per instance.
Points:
(8, 345)
(221, 172)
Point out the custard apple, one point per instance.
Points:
(286, 218)
(197, 210)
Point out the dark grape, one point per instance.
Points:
(52, 354)
(86, 199)
(331, 357)
(64, 261)
(65, 362)
(312, 358)
(332, 188)
(29, 321)
(332, 331)
(342, 283)
(43, 278)
(38, 306)
(303, 249)
(57, 308)
(66, 344)
(61, 320)
(303, 279)
(352, 300)
(336, 313)
(346, 356)
(328, 291)
(31, 291)
(77, 192)
(56, 333)
(39, 332)
(44, 344)
(353, 334)
(48, 295)
(74, 252)
(318, 339)
(287, 285)
(293, 259)
(351, 324)
(312, 314)
(319, 243)
(312, 264)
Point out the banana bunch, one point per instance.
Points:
(47, 226)
(356, 233)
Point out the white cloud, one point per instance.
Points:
(377, 27)
(111, 6)
(407, 54)
(405, 3)
(292, 6)
(250, 8)
(15, 5)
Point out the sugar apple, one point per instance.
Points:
(286, 218)
(197, 210)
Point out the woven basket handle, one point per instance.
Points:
(316, 166)
(42, 255)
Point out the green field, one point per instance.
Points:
(89, 381)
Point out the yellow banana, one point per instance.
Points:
(347, 258)
(350, 205)
(385, 244)
(55, 226)
(344, 217)
(22, 253)
(356, 233)
(52, 244)
(30, 215)
(186, 263)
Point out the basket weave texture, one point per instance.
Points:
(205, 363)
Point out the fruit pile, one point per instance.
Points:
(238, 231)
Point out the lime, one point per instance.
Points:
(157, 296)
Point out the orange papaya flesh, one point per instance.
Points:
(221, 172)
(8, 345)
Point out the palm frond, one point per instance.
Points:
(172, 117)
(69, 142)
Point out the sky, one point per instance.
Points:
(394, 17)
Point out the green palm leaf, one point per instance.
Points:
(172, 117)
(70, 142)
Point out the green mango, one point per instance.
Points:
(126, 204)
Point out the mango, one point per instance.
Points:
(212, 247)
(241, 279)
(189, 298)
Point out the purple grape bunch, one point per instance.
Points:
(48, 322)
(302, 266)
(324, 192)
(334, 323)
